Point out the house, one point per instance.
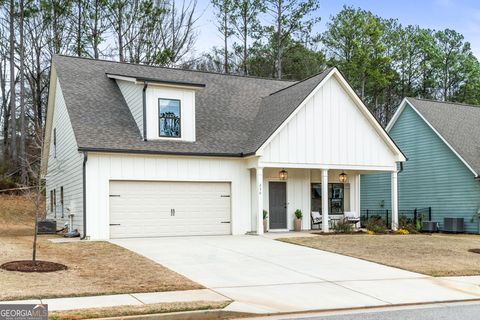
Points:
(442, 144)
(137, 151)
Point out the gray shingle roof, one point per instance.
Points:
(234, 114)
(458, 124)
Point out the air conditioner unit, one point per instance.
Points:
(429, 226)
(454, 225)
(47, 227)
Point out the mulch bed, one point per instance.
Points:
(361, 232)
(321, 233)
(27, 266)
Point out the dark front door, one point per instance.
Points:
(277, 194)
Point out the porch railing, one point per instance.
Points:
(412, 215)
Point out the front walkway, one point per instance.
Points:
(262, 275)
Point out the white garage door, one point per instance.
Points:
(154, 209)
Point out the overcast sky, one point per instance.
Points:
(460, 15)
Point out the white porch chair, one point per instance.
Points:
(317, 219)
(352, 217)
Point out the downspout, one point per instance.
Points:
(401, 167)
(84, 168)
(144, 97)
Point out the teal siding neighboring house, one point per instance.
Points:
(434, 175)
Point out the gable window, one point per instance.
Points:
(169, 118)
(54, 142)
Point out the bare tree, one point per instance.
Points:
(96, 24)
(4, 88)
(23, 129)
(37, 191)
(178, 33)
(224, 11)
(37, 66)
(290, 20)
(57, 18)
(123, 14)
(13, 106)
(246, 26)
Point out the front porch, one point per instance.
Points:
(281, 191)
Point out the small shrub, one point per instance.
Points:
(343, 226)
(418, 225)
(408, 224)
(376, 225)
(298, 214)
(370, 232)
(403, 231)
(7, 183)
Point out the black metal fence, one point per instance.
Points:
(411, 215)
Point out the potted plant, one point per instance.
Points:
(297, 223)
(265, 220)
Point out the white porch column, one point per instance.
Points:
(325, 200)
(357, 194)
(259, 181)
(394, 200)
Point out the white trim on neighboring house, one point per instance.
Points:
(399, 111)
(358, 102)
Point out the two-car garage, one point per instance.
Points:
(155, 209)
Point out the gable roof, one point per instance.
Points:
(456, 124)
(235, 115)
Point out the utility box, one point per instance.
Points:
(453, 225)
(47, 226)
(429, 226)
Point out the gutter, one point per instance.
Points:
(84, 173)
(144, 98)
(171, 153)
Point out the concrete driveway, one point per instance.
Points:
(263, 275)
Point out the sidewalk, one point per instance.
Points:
(132, 299)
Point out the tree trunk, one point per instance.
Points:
(225, 38)
(120, 35)
(245, 36)
(279, 39)
(95, 32)
(38, 194)
(57, 36)
(79, 29)
(13, 131)
(23, 130)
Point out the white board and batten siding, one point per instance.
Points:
(329, 131)
(105, 169)
(64, 170)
